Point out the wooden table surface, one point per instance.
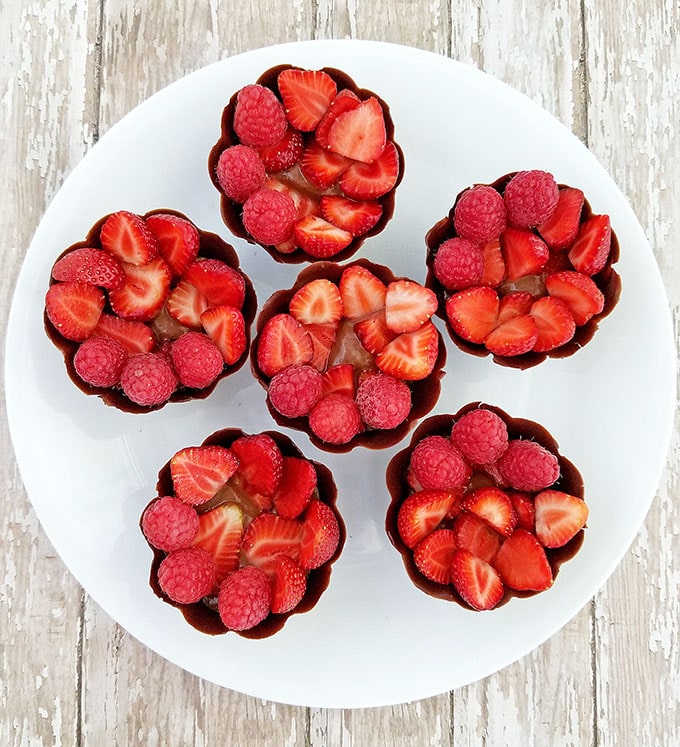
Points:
(610, 71)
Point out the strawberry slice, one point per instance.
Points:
(92, 266)
(322, 167)
(289, 584)
(339, 380)
(559, 516)
(186, 303)
(359, 133)
(226, 327)
(373, 332)
(295, 488)
(306, 95)
(177, 238)
(283, 341)
(514, 305)
(361, 291)
(524, 507)
(323, 338)
(522, 563)
(135, 337)
(145, 291)
(260, 463)
(473, 313)
(433, 555)
(368, 181)
(408, 305)
(475, 535)
(356, 217)
(514, 337)
(128, 238)
(476, 581)
(269, 535)
(493, 273)
(421, 513)
(320, 535)
(560, 229)
(524, 253)
(578, 291)
(220, 531)
(345, 101)
(590, 250)
(319, 238)
(317, 302)
(494, 507)
(221, 284)
(284, 153)
(198, 472)
(74, 309)
(410, 356)
(555, 323)
(304, 202)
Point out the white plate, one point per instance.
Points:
(373, 638)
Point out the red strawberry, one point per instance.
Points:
(410, 356)
(524, 507)
(319, 238)
(145, 291)
(282, 154)
(92, 266)
(476, 581)
(476, 535)
(408, 305)
(578, 291)
(524, 253)
(555, 324)
(198, 472)
(304, 203)
(269, 535)
(560, 230)
(373, 332)
(494, 507)
(350, 215)
(295, 488)
(289, 583)
(227, 329)
(421, 513)
(590, 250)
(219, 533)
(473, 313)
(361, 291)
(186, 303)
(368, 181)
(559, 516)
(260, 462)
(514, 337)
(320, 535)
(433, 555)
(220, 284)
(323, 337)
(522, 563)
(135, 337)
(283, 341)
(514, 305)
(494, 266)
(343, 102)
(340, 380)
(306, 95)
(178, 240)
(359, 133)
(322, 167)
(128, 238)
(317, 302)
(74, 309)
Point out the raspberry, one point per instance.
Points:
(383, 401)
(294, 390)
(530, 198)
(170, 524)
(436, 464)
(335, 419)
(99, 361)
(480, 435)
(268, 216)
(480, 214)
(458, 264)
(259, 117)
(148, 379)
(245, 598)
(187, 575)
(240, 172)
(196, 360)
(526, 465)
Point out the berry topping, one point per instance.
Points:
(383, 401)
(307, 95)
(320, 535)
(479, 214)
(177, 238)
(345, 101)
(481, 436)
(289, 583)
(475, 580)
(373, 332)
(526, 465)
(145, 291)
(436, 464)
(226, 327)
(335, 419)
(283, 154)
(514, 337)
(473, 313)
(269, 216)
(590, 250)
(359, 133)
(530, 198)
(148, 379)
(185, 304)
(355, 217)
(295, 389)
(476, 536)
(559, 516)
(368, 181)
(169, 524)
(560, 229)
(317, 302)
(260, 462)
(578, 291)
(126, 236)
(522, 563)
(410, 356)
(408, 305)
(269, 535)
(135, 337)
(319, 238)
(283, 342)
(244, 599)
(459, 263)
(555, 324)
(91, 266)
(421, 513)
(340, 380)
(322, 167)
(295, 488)
(199, 472)
(74, 309)
(361, 291)
(187, 575)
(524, 253)
(196, 359)
(259, 118)
(99, 361)
(240, 172)
(493, 506)
(433, 555)
(219, 533)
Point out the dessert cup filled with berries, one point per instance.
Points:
(523, 269)
(306, 164)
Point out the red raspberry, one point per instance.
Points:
(196, 360)
(458, 264)
(240, 172)
(269, 215)
(383, 401)
(480, 214)
(335, 419)
(148, 379)
(99, 361)
(170, 524)
(526, 465)
(259, 117)
(245, 598)
(530, 198)
(187, 575)
(294, 390)
(480, 435)
(436, 464)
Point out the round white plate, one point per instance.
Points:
(373, 638)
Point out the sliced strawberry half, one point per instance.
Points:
(307, 95)
(320, 535)
(522, 563)
(283, 341)
(433, 555)
(493, 506)
(555, 324)
(221, 284)
(578, 291)
(226, 327)
(317, 302)
(475, 535)
(360, 133)
(368, 181)
(322, 167)
(514, 337)
(74, 309)
(323, 338)
(514, 305)
(560, 230)
(524, 253)
(476, 581)
(92, 266)
(145, 291)
(591, 248)
(408, 305)
(269, 535)
(421, 513)
(260, 463)
(186, 303)
(304, 202)
(289, 584)
(128, 238)
(559, 516)
(373, 332)
(345, 101)
(282, 154)
(339, 380)
(410, 356)
(473, 313)
(198, 472)
(319, 238)
(220, 531)
(362, 292)
(524, 507)
(178, 240)
(356, 217)
(295, 488)
(493, 273)
(135, 337)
